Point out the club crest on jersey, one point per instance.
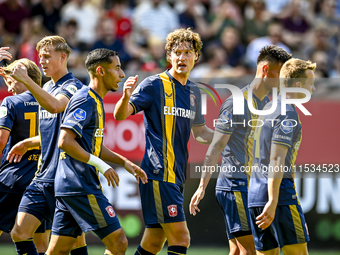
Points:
(287, 126)
(110, 211)
(3, 111)
(226, 115)
(172, 209)
(72, 89)
(192, 100)
(79, 114)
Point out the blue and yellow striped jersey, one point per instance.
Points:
(85, 116)
(237, 156)
(49, 127)
(19, 115)
(280, 129)
(170, 110)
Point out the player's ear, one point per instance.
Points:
(100, 71)
(265, 70)
(298, 84)
(63, 56)
(196, 57)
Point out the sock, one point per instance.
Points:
(80, 250)
(176, 250)
(26, 247)
(141, 251)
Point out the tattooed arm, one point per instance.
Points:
(211, 158)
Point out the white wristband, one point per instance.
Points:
(98, 163)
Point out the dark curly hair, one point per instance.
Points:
(273, 54)
(183, 35)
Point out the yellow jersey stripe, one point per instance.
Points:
(158, 201)
(241, 211)
(300, 234)
(99, 139)
(169, 95)
(96, 211)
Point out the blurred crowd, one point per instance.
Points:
(233, 31)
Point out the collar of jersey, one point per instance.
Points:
(176, 81)
(64, 78)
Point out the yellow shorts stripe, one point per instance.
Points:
(241, 211)
(300, 234)
(96, 211)
(158, 201)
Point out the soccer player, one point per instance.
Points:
(235, 143)
(171, 105)
(81, 204)
(18, 120)
(276, 215)
(38, 202)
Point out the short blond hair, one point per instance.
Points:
(58, 43)
(183, 35)
(32, 69)
(295, 70)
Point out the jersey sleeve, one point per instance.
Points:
(69, 88)
(284, 129)
(225, 118)
(199, 118)
(6, 115)
(142, 97)
(77, 114)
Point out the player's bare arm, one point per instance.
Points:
(67, 142)
(4, 54)
(278, 152)
(123, 109)
(202, 134)
(18, 150)
(136, 171)
(211, 158)
(47, 101)
(4, 134)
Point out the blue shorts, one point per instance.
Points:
(234, 205)
(9, 203)
(288, 227)
(162, 202)
(83, 213)
(39, 201)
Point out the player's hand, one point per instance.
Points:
(130, 85)
(136, 171)
(16, 153)
(112, 177)
(267, 216)
(20, 73)
(195, 200)
(4, 54)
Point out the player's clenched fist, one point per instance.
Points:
(20, 73)
(130, 85)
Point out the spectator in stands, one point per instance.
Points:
(107, 39)
(153, 18)
(321, 59)
(235, 50)
(87, 17)
(256, 26)
(12, 17)
(47, 13)
(274, 37)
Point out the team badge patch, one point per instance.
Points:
(192, 100)
(79, 114)
(72, 89)
(286, 126)
(172, 209)
(3, 111)
(226, 115)
(110, 211)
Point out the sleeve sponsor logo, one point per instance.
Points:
(72, 89)
(3, 111)
(286, 126)
(283, 137)
(79, 114)
(226, 115)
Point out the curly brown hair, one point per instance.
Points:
(183, 35)
(295, 69)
